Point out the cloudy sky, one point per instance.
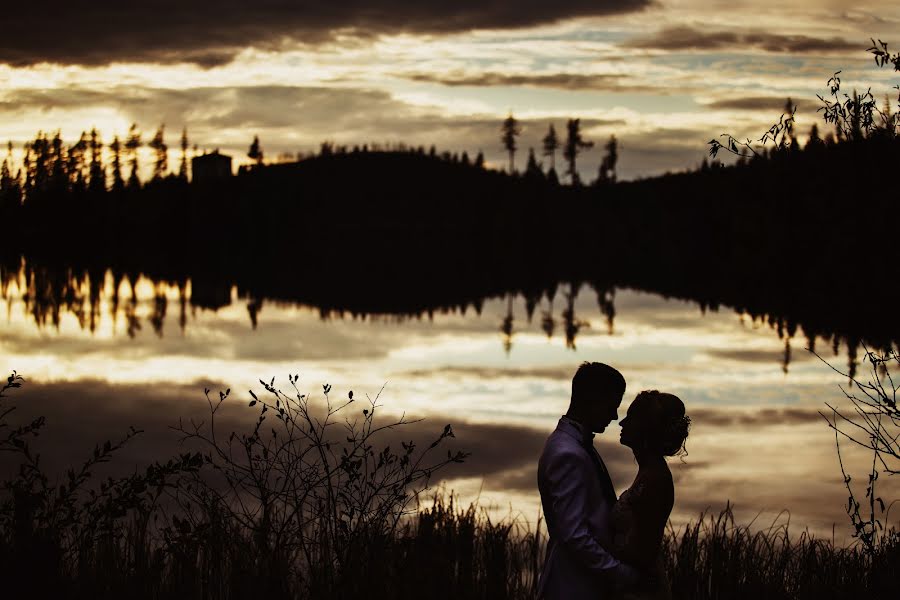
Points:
(664, 76)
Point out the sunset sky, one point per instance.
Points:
(664, 76)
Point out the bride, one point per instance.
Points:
(654, 427)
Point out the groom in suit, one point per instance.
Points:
(577, 494)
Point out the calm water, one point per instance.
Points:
(500, 379)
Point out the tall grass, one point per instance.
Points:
(714, 557)
(315, 508)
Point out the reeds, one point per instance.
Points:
(351, 520)
(716, 558)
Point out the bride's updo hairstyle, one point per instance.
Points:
(667, 424)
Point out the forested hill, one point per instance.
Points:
(400, 189)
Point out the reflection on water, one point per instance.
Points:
(48, 293)
(104, 350)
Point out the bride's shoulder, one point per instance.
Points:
(660, 481)
(652, 483)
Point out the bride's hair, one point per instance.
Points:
(672, 424)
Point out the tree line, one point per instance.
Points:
(572, 146)
(51, 166)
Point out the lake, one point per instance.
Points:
(98, 359)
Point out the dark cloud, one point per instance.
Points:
(83, 413)
(761, 417)
(685, 37)
(815, 505)
(772, 104)
(212, 33)
(564, 81)
(686, 470)
(561, 372)
(757, 356)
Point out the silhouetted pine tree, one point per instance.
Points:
(27, 172)
(479, 160)
(183, 169)
(255, 153)
(6, 177)
(161, 162)
(551, 145)
(59, 180)
(506, 327)
(533, 169)
(607, 173)
(40, 176)
(814, 140)
(115, 148)
(509, 131)
(573, 147)
(76, 163)
(132, 144)
(552, 177)
(10, 188)
(97, 182)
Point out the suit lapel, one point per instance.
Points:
(575, 430)
(605, 480)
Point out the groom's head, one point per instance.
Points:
(597, 391)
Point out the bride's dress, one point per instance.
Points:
(632, 547)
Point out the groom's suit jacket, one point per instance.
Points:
(577, 497)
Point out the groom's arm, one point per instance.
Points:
(568, 475)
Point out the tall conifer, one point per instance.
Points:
(573, 147)
(509, 131)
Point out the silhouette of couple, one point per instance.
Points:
(601, 547)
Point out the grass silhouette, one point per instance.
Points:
(310, 504)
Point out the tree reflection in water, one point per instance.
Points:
(47, 293)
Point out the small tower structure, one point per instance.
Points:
(211, 166)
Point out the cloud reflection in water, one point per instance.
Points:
(757, 440)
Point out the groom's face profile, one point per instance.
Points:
(604, 410)
(597, 392)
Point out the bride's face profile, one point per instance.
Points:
(634, 425)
